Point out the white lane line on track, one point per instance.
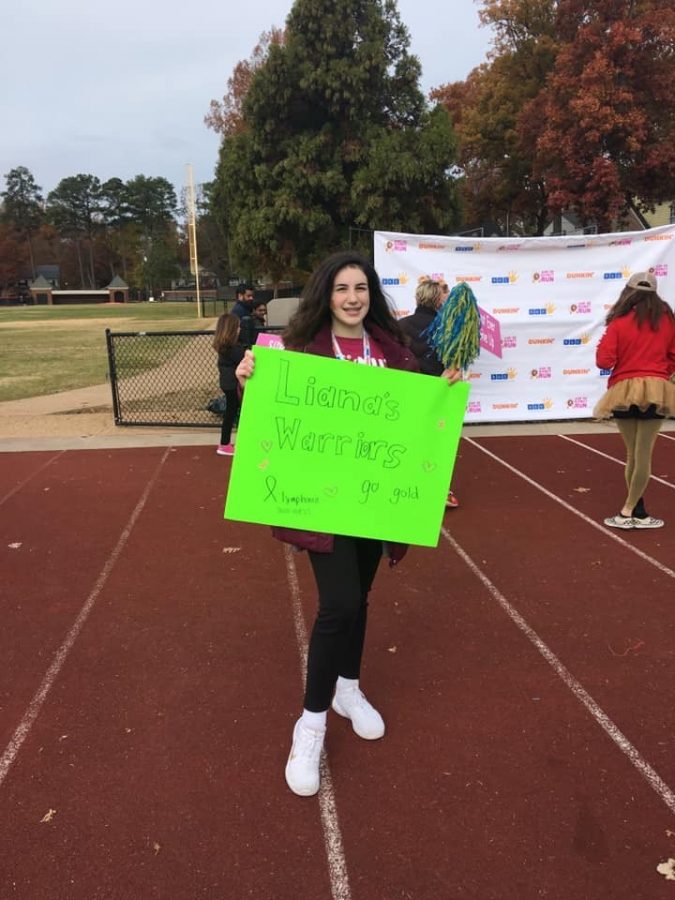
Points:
(650, 775)
(601, 528)
(30, 477)
(12, 749)
(668, 437)
(622, 462)
(335, 854)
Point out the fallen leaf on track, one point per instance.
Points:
(48, 816)
(15, 545)
(667, 869)
(393, 649)
(581, 490)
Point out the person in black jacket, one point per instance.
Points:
(230, 354)
(244, 299)
(429, 297)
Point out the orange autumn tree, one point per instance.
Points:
(606, 120)
(225, 116)
(497, 161)
(574, 110)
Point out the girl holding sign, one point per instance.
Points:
(344, 314)
(639, 347)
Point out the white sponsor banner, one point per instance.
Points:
(550, 296)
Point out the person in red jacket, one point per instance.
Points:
(344, 314)
(639, 347)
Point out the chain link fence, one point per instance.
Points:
(164, 377)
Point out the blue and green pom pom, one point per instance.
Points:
(454, 334)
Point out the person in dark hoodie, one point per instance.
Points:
(343, 314)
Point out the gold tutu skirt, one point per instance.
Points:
(641, 392)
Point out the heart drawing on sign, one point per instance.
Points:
(330, 490)
(266, 445)
(428, 465)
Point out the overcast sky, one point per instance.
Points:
(121, 89)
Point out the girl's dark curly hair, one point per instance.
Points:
(314, 309)
(647, 304)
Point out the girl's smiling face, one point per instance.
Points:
(349, 302)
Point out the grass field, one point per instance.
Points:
(44, 349)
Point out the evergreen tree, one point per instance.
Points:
(73, 208)
(22, 206)
(336, 134)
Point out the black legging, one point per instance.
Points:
(344, 578)
(231, 410)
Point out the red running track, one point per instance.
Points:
(150, 675)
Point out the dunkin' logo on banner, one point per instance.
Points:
(577, 275)
(430, 245)
(468, 278)
(581, 308)
(576, 371)
(541, 372)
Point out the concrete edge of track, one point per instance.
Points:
(126, 436)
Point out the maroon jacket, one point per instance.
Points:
(398, 357)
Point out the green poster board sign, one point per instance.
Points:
(338, 447)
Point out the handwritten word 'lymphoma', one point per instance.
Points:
(290, 435)
(330, 397)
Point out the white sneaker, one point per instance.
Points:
(647, 522)
(366, 720)
(619, 521)
(302, 768)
